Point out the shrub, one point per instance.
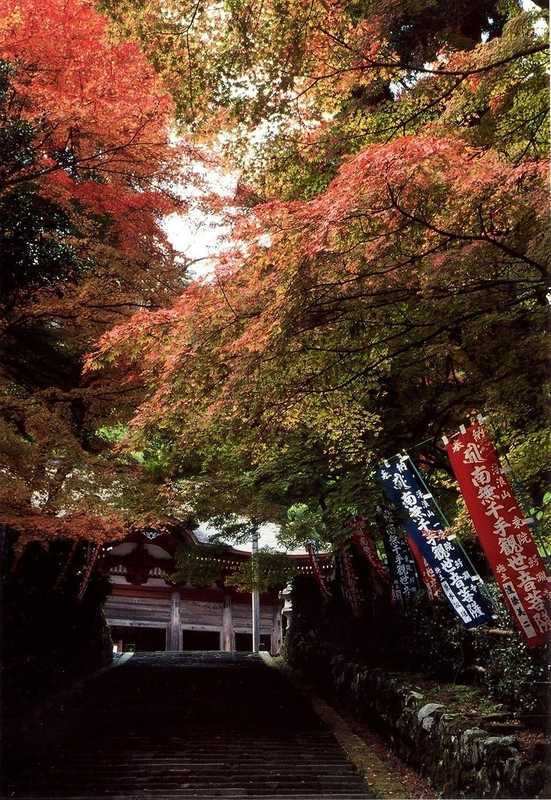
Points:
(426, 638)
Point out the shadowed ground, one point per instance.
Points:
(176, 725)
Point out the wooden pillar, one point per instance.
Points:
(174, 632)
(255, 595)
(228, 635)
(276, 639)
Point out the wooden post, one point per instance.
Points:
(174, 638)
(255, 596)
(228, 635)
(276, 639)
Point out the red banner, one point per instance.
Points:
(320, 578)
(503, 532)
(352, 591)
(428, 577)
(366, 546)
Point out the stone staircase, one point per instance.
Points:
(213, 726)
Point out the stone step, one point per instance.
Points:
(173, 726)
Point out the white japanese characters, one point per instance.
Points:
(405, 583)
(503, 531)
(460, 583)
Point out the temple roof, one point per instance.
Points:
(175, 534)
(155, 549)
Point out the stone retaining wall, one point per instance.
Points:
(461, 759)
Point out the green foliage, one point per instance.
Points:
(304, 524)
(229, 527)
(199, 566)
(514, 673)
(202, 566)
(529, 458)
(112, 433)
(296, 90)
(543, 515)
(428, 639)
(431, 632)
(268, 571)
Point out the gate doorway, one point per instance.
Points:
(131, 639)
(200, 640)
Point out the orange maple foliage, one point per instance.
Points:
(103, 121)
(425, 221)
(104, 152)
(89, 96)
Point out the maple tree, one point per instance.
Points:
(203, 566)
(360, 289)
(89, 163)
(296, 88)
(405, 259)
(390, 162)
(385, 276)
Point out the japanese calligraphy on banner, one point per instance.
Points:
(460, 583)
(405, 581)
(428, 577)
(503, 531)
(320, 578)
(366, 546)
(350, 583)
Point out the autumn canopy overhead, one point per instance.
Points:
(384, 277)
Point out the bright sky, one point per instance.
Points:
(268, 537)
(195, 234)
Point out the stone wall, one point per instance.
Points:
(448, 746)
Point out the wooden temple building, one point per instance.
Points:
(146, 611)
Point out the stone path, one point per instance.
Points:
(176, 725)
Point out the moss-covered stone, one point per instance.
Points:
(460, 758)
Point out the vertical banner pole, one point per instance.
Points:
(66, 565)
(255, 597)
(3, 538)
(93, 551)
(320, 578)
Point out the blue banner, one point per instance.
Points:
(460, 583)
(405, 579)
